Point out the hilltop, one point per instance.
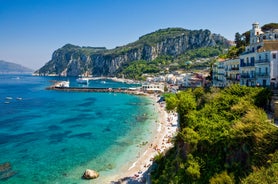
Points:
(163, 47)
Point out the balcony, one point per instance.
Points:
(235, 68)
(247, 76)
(247, 64)
(263, 61)
(262, 75)
(232, 79)
(220, 74)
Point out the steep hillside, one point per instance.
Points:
(73, 60)
(224, 137)
(9, 67)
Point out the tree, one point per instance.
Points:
(223, 140)
(238, 40)
(171, 102)
(246, 38)
(222, 178)
(269, 26)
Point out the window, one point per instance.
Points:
(252, 74)
(252, 61)
(241, 62)
(274, 55)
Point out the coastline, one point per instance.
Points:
(166, 128)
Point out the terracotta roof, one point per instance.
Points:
(221, 60)
(269, 45)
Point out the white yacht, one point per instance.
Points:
(62, 84)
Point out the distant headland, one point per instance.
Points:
(13, 68)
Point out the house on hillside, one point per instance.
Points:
(232, 74)
(258, 65)
(218, 74)
(153, 88)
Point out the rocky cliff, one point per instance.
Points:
(73, 60)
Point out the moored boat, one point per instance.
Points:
(82, 80)
(62, 84)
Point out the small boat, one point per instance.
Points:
(9, 98)
(19, 98)
(82, 80)
(6, 102)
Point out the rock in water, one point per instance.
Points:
(6, 171)
(90, 174)
(5, 166)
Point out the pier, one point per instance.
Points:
(133, 91)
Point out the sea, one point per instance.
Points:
(49, 136)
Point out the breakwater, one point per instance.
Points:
(134, 91)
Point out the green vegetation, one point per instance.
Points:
(224, 137)
(191, 59)
(241, 42)
(269, 26)
(134, 70)
(82, 50)
(161, 34)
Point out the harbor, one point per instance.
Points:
(142, 90)
(134, 91)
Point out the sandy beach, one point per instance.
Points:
(167, 124)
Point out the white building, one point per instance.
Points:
(258, 65)
(267, 64)
(151, 88)
(262, 53)
(232, 71)
(219, 79)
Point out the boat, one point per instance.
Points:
(62, 84)
(82, 80)
(9, 98)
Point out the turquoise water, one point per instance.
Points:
(53, 136)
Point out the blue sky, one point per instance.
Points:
(31, 30)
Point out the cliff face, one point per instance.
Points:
(73, 60)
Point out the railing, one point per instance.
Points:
(232, 79)
(220, 74)
(235, 68)
(263, 61)
(232, 69)
(246, 64)
(262, 74)
(247, 76)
